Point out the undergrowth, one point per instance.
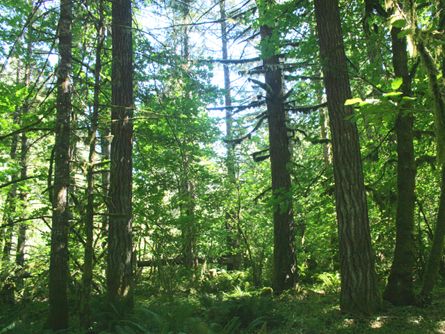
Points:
(229, 306)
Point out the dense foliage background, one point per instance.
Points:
(202, 203)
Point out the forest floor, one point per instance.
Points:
(238, 311)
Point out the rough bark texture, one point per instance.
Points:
(359, 293)
(119, 260)
(400, 290)
(436, 252)
(284, 258)
(58, 273)
(435, 256)
(87, 278)
(233, 239)
(189, 233)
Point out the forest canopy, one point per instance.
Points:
(222, 166)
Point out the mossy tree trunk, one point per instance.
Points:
(284, 258)
(436, 252)
(58, 271)
(399, 289)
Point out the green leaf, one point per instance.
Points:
(350, 102)
(405, 32)
(398, 22)
(396, 83)
(391, 94)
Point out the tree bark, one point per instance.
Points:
(400, 290)
(436, 252)
(284, 258)
(120, 269)
(359, 293)
(233, 239)
(58, 273)
(21, 237)
(187, 191)
(87, 278)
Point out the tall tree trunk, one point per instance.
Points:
(233, 239)
(10, 203)
(21, 237)
(436, 252)
(400, 290)
(189, 228)
(120, 269)
(7, 291)
(87, 279)
(189, 221)
(284, 258)
(58, 271)
(373, 49)
(359, 293)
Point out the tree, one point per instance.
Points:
(24, 154)
(284, 259)
(7, 292)
(187, 185)
(400, 289)
(435, 255)
(87, 278)
(119, 260)
(58, 271)
(232, 221)
(359, 293)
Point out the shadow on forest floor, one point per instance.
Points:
(305, 312)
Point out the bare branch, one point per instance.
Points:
(248, 135)
(17, 181)
(304, 109)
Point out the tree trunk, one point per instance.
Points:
(105, 149)
(189, 228)
(21, 237)
(58, 273)
(359, 293)
(120, 269)
(436, 252)
(284, 258)
(87, 279)
(233, 239)
(7, 291)
(400, 290)
(188, 219)
(10, 203)
(435, 256)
